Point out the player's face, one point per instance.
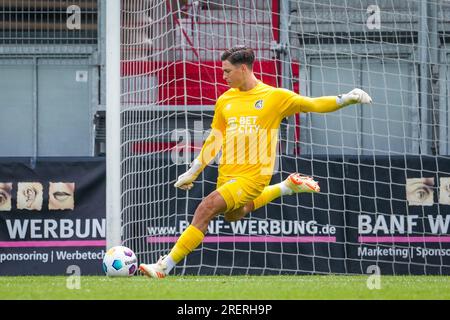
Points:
(233, 74)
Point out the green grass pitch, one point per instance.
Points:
(327, 287)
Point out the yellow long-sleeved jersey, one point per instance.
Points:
(245, 126)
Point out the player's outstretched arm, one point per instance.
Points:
(333, 103)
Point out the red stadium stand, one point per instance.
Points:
(191, 83)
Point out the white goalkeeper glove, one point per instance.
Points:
(354, 96)
(185, 180)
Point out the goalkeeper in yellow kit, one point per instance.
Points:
(245, 127)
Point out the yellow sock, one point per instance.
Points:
(186, 243)
(269, 193)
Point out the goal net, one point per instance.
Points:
(383, 169)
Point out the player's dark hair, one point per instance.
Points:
(239, 55)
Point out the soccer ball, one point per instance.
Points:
(119, 261)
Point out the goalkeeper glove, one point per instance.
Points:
(354, 96)
(185, 180)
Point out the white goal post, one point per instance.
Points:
(112, 11)
(384, 169)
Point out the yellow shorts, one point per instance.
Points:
(238, 191)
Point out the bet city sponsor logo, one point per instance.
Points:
(244, 143)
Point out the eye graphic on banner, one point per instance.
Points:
(419, 191)
(5, 196)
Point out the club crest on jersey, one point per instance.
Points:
(259, 104)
